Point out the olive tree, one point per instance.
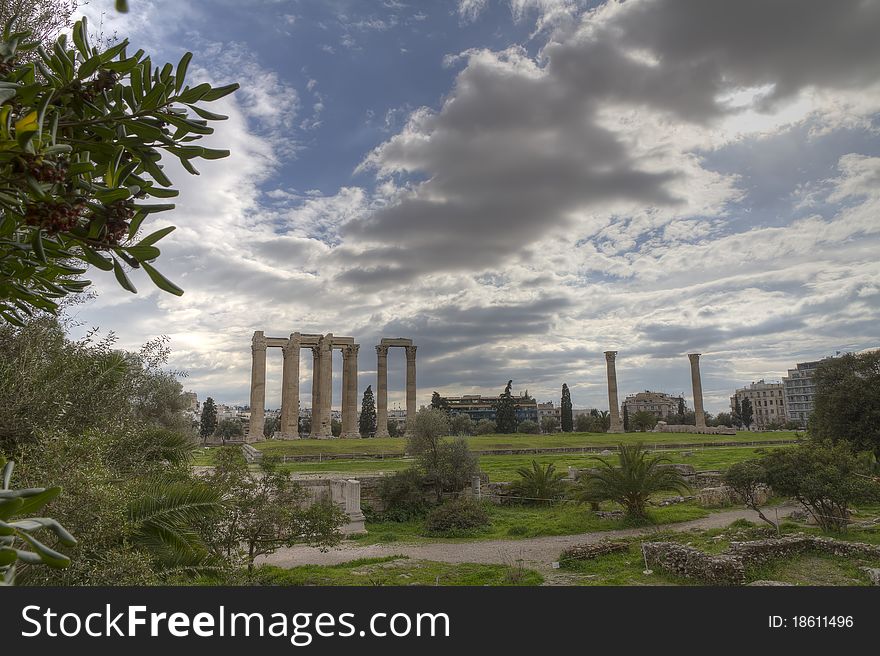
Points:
(83, 132)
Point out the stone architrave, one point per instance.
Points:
(258, 387)
(613, 405)
(410, 389)
(697, 384)
(290, 388)
(382, 391)
(316, 392)
(349, 391)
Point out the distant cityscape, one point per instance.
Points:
(775, 403)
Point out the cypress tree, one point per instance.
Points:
(567, 423)
(505, 411)
(368, 414)
(208, 422)
(625, 419)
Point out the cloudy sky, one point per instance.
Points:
(518, 186)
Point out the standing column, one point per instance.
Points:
(410, 389)
(382, 392)
(290, 389)
(316, 392)
(698, 389)
(613, 406)
(258, 387)
(349, 391)
(326, 385)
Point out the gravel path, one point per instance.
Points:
(537, 553)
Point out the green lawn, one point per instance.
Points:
(395, 445)
(516, 522)
(503, 468)
(399, 570)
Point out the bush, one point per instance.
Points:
(460, 517)
(461, 425)
(485, 427)
(403, 495)
(528, 426)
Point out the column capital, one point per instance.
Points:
(316, 350)
(294, 343)
(259, 341)
(382, 350)
(610, 356)
(350, 349)
(410, 352)
(694, 357)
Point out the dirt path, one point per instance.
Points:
(537, 553)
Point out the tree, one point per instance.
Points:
(208, 422)
(540, 484)
(367, 422)
(724, 419)
(737, 413)
(584, 424)
(632, 482)
(846, 405)
(681, 406)
(229, 429)
(626, 424)
(746, 414)
(485, 427)
(825, 478)
(394, 428)
(566, 409)
(748, 479)
(549, 425)
(438, 402)
(304, 426)
(43, 19)
(461, 424)
(82, 133)
(529, 427)
(266, 512)
(335, 427)
(271, 426)
(605, 418)
(446, 464)
(505, 411)
(643, 421)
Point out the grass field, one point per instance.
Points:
(395, 445)
(516, 522)
(503, 468)
(398, 570)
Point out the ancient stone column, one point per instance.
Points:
(326, 347)
(290, 389)
(316, 392)
(698, 389)
(258, 386)
(349, 391)
(613, 405)
(410, 389)
(382, 391)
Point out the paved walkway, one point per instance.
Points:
(537, 553)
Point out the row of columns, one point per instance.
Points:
(614, 406)
(322, 384)
(382, 385)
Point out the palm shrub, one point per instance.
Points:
(631, 482)
(539, 484)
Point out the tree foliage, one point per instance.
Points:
(461, 424)
(567, 422)
(643, 421)
(748, 479)
(208, 421)
(447, 464)
(846, 406)
(82, 132)
(505, 411)
(266, 512)
(43, 19)
(367, 421)
(485, 427)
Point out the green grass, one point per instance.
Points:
(399, 570)
(503, 468)
(395, 445)
(516, 522)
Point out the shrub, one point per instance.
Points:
(748, 479)
(456, 518)
(461, 425)
(529, 426)
(485, 427)
(403, 495)
(540, 484)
